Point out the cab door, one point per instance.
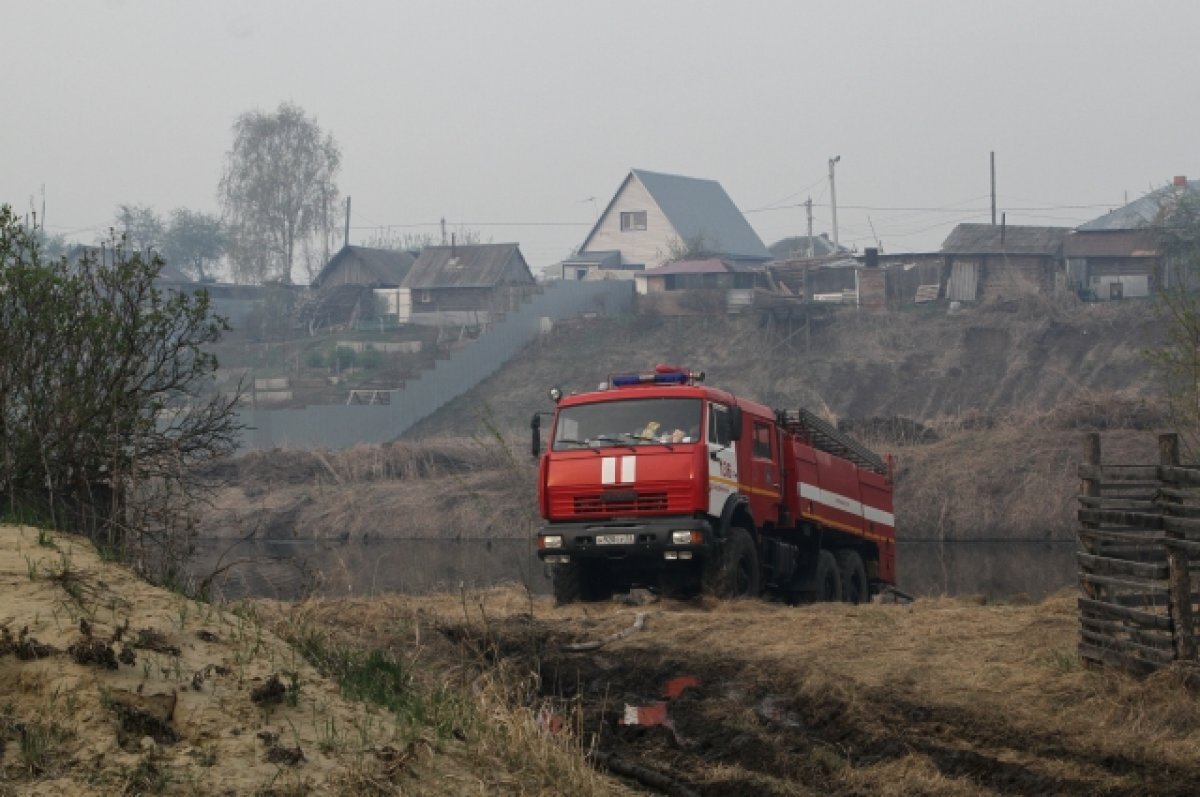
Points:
(763, 484)
(722, 458)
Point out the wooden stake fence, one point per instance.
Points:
(1139, 540)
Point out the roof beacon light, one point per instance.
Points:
(663, 375)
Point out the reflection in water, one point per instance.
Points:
(290, 568)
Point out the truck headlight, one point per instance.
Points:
(551, 541)
(686, 537)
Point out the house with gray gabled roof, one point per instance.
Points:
(1115, 256)
(465, 284)
(655, 217)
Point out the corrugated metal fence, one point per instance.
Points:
(341, 426)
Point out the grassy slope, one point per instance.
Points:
(922, 364)
(113, 686)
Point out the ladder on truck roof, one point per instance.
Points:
(828, 438)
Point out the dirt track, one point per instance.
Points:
(942, 697)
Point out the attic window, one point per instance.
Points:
(633, 220)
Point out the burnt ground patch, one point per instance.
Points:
(744, 728)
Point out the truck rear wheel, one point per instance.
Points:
(735, 573)
(577, 581)
(828, 582)
(854, 576)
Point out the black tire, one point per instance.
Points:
(828, 582)
(734, 573)
(576, 581)
(855, 588)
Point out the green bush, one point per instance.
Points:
(315, 358)
(370, 359)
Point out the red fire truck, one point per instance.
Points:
(656, 480)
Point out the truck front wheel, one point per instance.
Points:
(734, 572)
(576, 581)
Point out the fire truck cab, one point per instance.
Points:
(656, 480)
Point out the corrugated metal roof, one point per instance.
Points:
(1110, 243)
(699, 208)
(1140, 212)
(469, 266)
(389, 267)
(1012, 239)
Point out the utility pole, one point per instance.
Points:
(808, 210)
(833, 200)
(993, 188)
(443, 230)
(347, 242)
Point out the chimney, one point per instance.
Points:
(453, 248)
(1180, 183)
(871, 257)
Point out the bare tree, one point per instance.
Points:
(194, 242)
(1176, 229)
(278, 190)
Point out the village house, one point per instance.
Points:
(466, 284)
(654, 218)
(686, 287)
(1115, 256)
(988, 262)
(345, 288)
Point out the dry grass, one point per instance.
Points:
(943, 697)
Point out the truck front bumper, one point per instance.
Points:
(662, 539)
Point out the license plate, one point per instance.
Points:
(614, 539)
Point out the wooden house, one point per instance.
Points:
(653, 218)
(1116, 256)
(465, 284)
(685, 287)
(989, 262)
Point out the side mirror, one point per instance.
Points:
(735, 421)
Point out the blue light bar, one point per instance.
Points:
(671, 378)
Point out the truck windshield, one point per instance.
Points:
(632, 422)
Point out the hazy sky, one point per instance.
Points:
(509, 116)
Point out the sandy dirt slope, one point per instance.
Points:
(109, 685)
(941, 697)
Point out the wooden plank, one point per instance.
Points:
(1190, 547)
(1144, 501)
(1100, 473)
(1145, 600)
(1183, 495)
(1181, 525)
(1155, 639)
(1180, 477)
(1113, 658)
(1139, 537)
(1143, 520)
(1159, 622)
(1124, 645)
(1129, 583)
(1105, 565)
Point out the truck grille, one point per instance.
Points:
(618, 504)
